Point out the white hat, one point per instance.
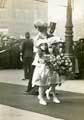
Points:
(41, 41)
(54, 39)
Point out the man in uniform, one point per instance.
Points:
(27, 56)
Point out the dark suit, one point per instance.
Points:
(27, 55)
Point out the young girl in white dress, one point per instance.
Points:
(54, 78)
(41, 71)
(43, 76)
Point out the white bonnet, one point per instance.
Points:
(53, 40)
(41, 41)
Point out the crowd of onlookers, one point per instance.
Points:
(10, 53)
(79, 53)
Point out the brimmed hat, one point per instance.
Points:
(41, 41)
(53, 40)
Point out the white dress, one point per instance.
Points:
(42, 75)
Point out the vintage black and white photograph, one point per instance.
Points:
(41, 59)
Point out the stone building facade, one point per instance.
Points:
(18, 16)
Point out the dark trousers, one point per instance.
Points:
(29, 87)
(27, 66)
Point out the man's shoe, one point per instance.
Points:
(23, 79)
(32, 92)
(25, 92)
(28, 93)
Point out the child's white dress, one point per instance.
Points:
(42, 75)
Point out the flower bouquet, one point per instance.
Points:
(64, 64)
(60, 63)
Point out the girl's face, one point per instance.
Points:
(43, 46)
(50, 50)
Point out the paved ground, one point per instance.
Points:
(11, 113)
(15, 105)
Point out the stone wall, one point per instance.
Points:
(18, 16)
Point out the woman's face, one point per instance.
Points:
(43, 46)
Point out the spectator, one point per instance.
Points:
(27, 56)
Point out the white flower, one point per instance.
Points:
(58, 57)
(66, 63)
(71, 64)
(62, 61)
(63, 68)
(61, 54)
(70, 69)
(63, 58)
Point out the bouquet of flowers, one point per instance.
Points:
(64, 64)
(51, 62)
(60, 63)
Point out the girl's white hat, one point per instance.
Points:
(41, 41)
(53, 40)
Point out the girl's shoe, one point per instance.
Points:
(55, 100)
(42, 102)
(39, 97)
(47, 94)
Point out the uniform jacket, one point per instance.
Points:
(27, 48)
